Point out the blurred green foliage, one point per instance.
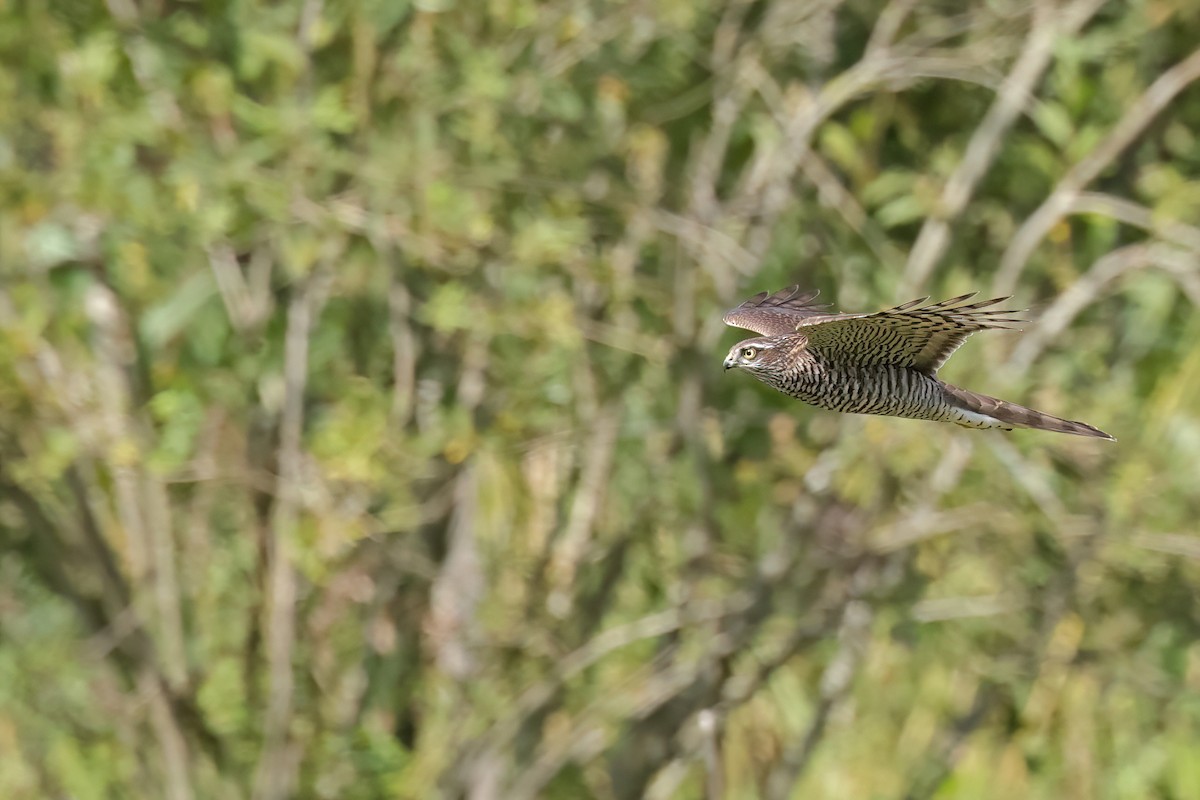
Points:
(363, 431)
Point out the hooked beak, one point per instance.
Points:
(730, 363)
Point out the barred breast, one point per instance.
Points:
(888, 390)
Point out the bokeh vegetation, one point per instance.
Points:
(363, 431)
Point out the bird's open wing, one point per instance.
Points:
(909, 335)
(776, 314)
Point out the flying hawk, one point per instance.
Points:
(881, 363)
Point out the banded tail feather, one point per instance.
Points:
(1011, 415)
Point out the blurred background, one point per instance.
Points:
(363, 431)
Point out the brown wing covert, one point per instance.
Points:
(776, 314)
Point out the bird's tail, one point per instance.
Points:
(1011, 415)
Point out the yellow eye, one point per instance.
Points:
(749, 353)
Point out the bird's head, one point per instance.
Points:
(757, 355)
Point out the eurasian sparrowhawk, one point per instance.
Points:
(880, 363)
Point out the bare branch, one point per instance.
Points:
(141, 501)
(841, 199)
(277, 764)
(459, 586)
(926, 523)
(765, 196)
(1084, 292)
(950, 749)
(887, 25)
(157, 510)
(706, 241)
(605, 643)
(942, 609)
(114, 350)
(1033, 480)
(728, 103)
(230, 283)
(853, 637)
(1176, 544)
(1047, 28)
(404, 377)
(1135, 120)
(710, 726)
(1130, 213)
(170, 737)
(593, 481)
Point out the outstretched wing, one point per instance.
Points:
(776, 314)
(910, 335)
